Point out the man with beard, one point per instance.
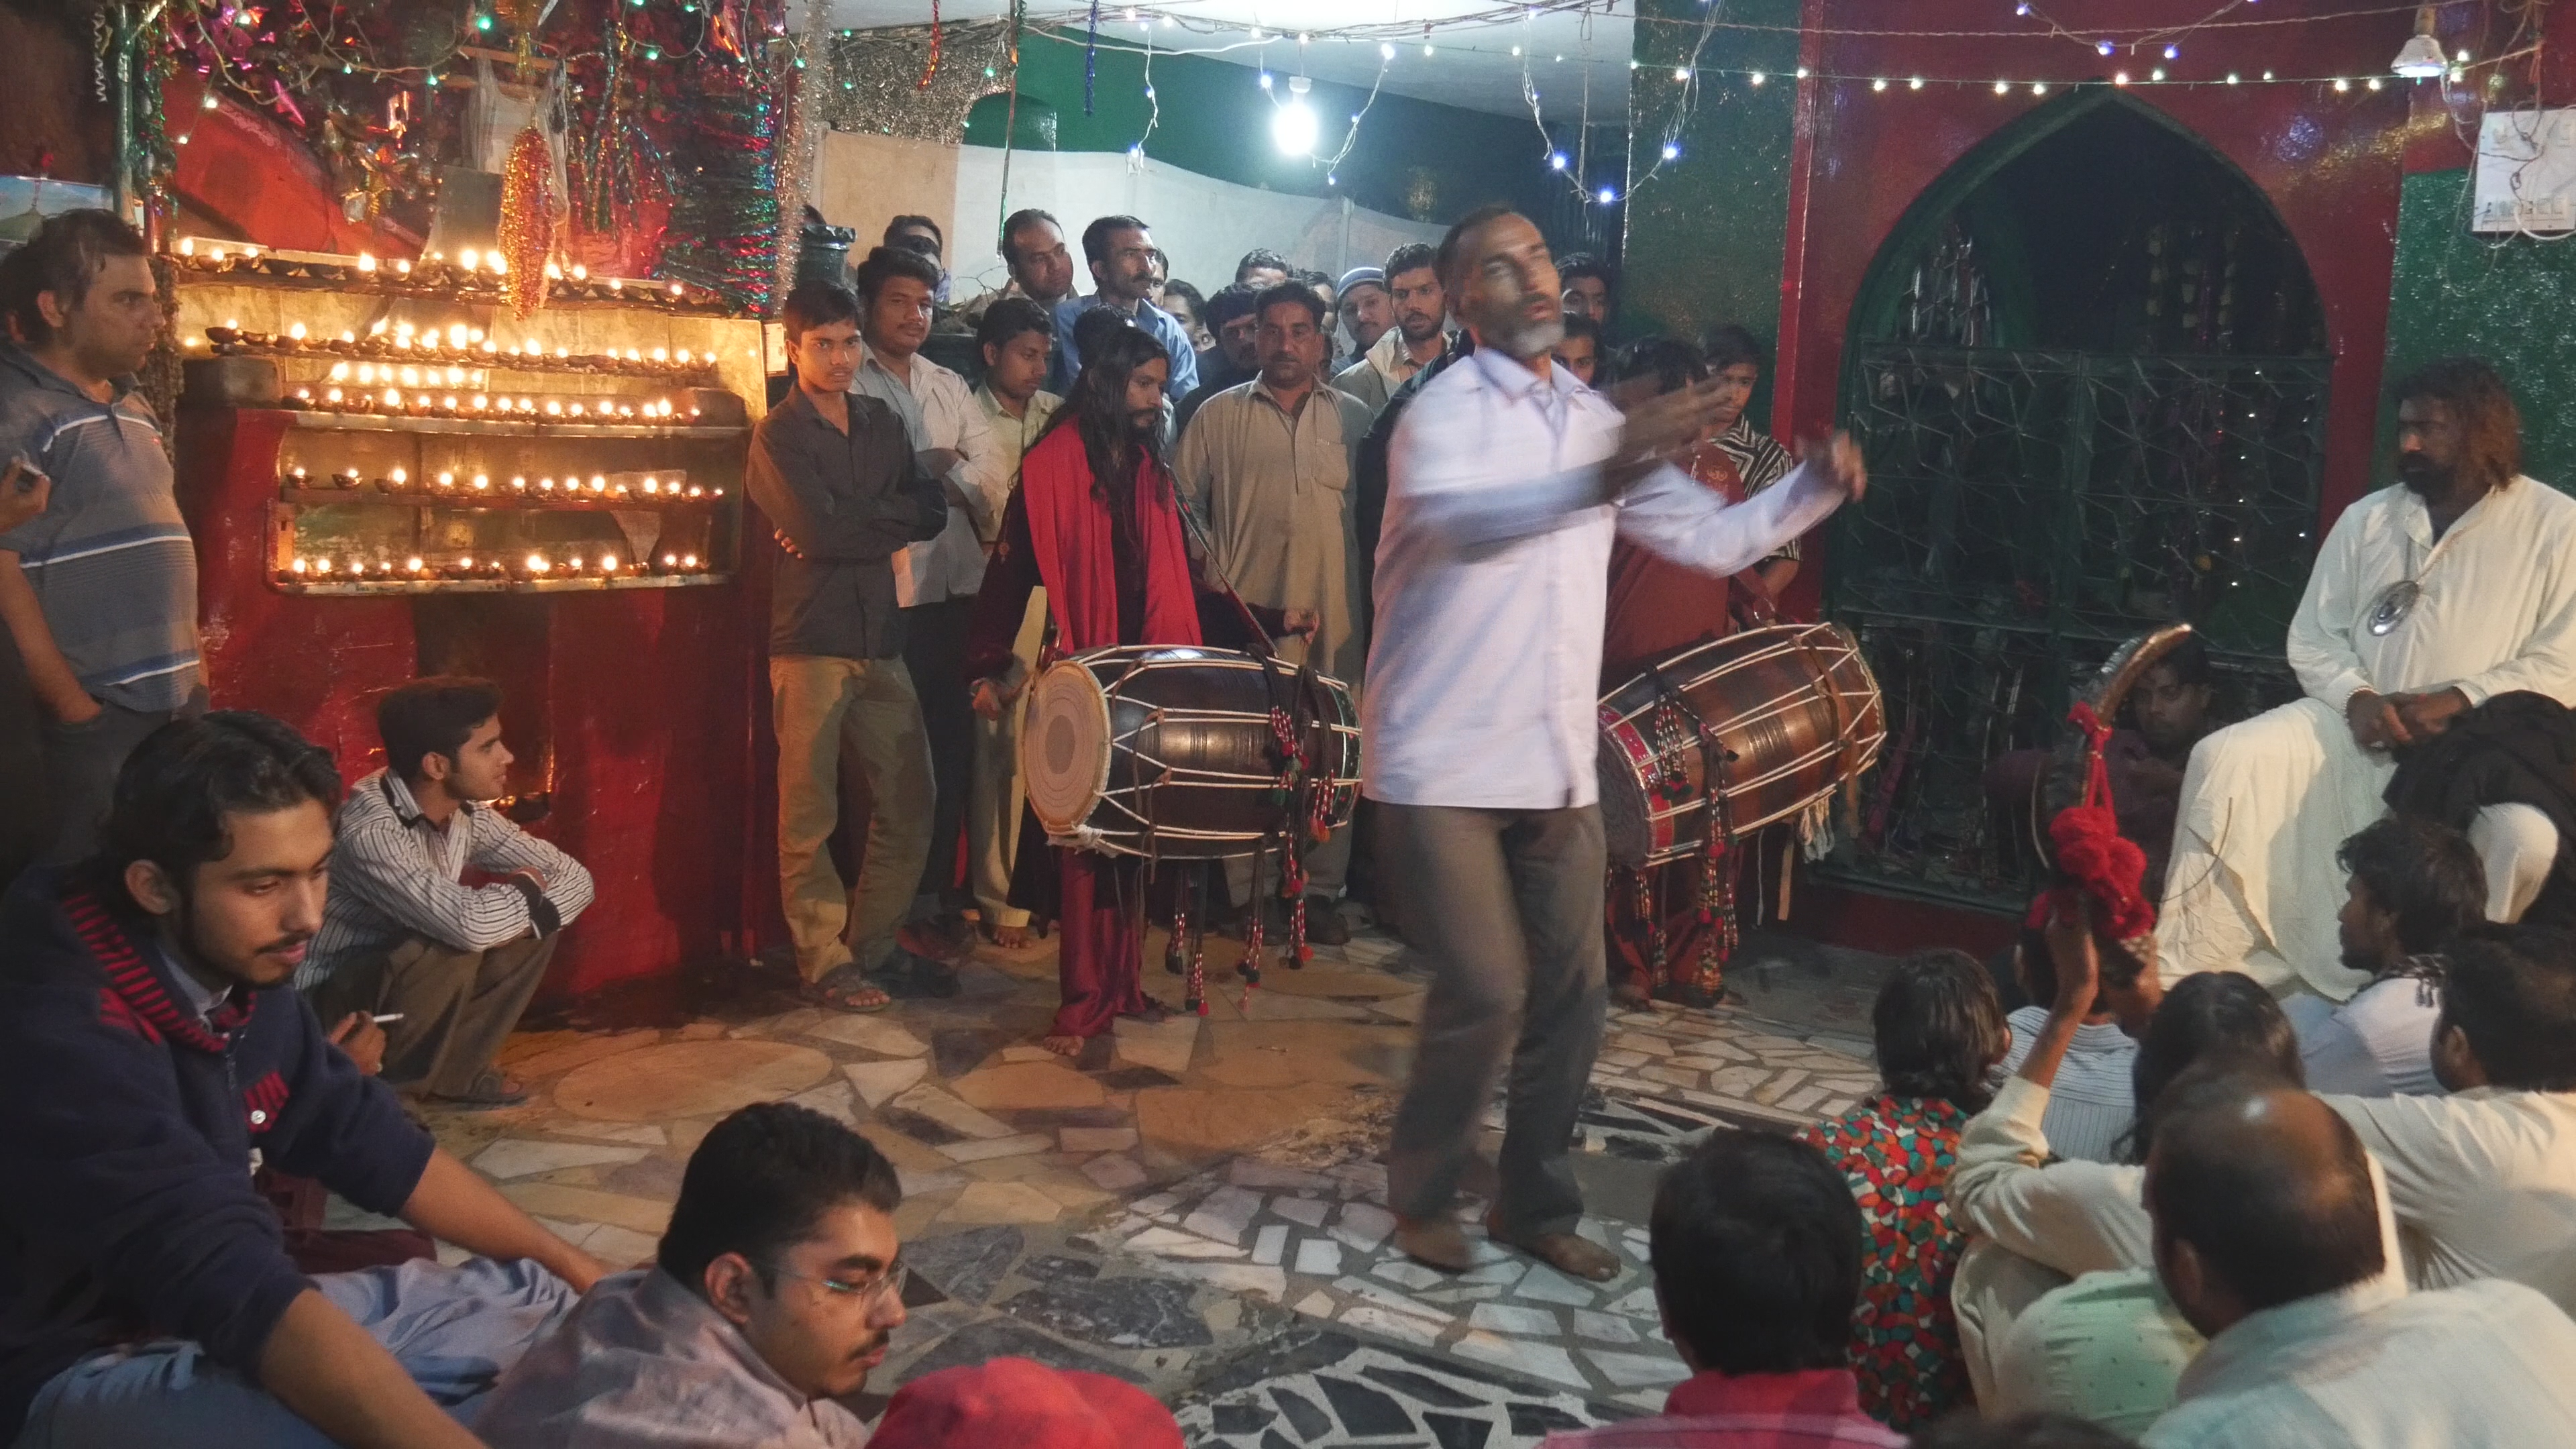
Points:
(1265, 468)
(148, 1030)
(2428, 599)
(1234, 321)
(1508, 483)
(1096, 524)
(777, 1287)
(1121, 253)
(1421, 306)
(450, 965)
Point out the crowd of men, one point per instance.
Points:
(2231, 1178)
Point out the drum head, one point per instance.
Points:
(1064, 746)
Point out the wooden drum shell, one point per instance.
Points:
(1795, 712)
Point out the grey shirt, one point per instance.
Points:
(109, 559)
(846, 503)
(641, 1361)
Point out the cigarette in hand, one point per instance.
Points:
(382, 1017)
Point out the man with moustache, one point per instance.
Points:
(159, 1057)
(1121, 253)
(1421, 306)
(2429, 599)
(1365, 307)
(776, 1290)
(1041, 266)
(1235, 359)
(1508, 483)
(1265, 468)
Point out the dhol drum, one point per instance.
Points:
(1787, 714)
(1168, 753)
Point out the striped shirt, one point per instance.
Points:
(393, 875)
(1760, 461)
(109, 560)
(2092, 1103)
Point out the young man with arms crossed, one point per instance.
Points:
(836, 475)
(1018, 338)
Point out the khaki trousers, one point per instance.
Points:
(993, 808)
(457, 1006)
(819, 704)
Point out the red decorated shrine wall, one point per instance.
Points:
(2329, 164)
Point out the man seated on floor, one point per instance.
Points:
(2269, 1241)
(775, 1292)
(157, 1058)
(1756, 1245)
(2091, 1102)
(2429, 599)
(2485, 1179)
(2414, 886)
(450, 965)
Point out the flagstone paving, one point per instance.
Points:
(1194, 1206)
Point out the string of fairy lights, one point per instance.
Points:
(2143, 56)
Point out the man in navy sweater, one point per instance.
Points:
(155, 1056)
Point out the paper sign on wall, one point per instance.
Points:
(2526, 177)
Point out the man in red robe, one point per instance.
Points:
(1095, 523)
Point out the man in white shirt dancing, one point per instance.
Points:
(2429, 598)
(1507, 483)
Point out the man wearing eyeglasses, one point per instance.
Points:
(775, 1292)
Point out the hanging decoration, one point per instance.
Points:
(725, 216)
(1091, 57)
(800, 145)
(933, 68)
(530, 210)
(868, 81)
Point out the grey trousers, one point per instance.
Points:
(82, 761)
(1506, 904)
(457, 1006)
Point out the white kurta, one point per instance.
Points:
(2253, 886)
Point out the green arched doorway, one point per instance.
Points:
(2090, 372)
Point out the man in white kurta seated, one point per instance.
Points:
(2429, 598)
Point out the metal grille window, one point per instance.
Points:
(2028, 511)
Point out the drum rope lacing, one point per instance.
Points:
(1675, 727)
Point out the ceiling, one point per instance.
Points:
(1472, 65)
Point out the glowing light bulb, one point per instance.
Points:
(482, 483)
(467, 258)
(412, 565)
(607, 562)
(296, 331)
(537, 563)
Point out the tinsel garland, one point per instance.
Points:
(530, 210)
(870, 81)
(725, 216)
(1090, 56)
(616, 163)
(801, 143)
(933, 69)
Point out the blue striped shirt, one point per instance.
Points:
(109, 560)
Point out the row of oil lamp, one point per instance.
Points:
(392, 402)
(447, 484)
(323, 569)
(469, 275)
(403, 342)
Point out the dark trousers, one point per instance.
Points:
(81, 761)
(1506, 905)
(934, 651)
(457, 1006)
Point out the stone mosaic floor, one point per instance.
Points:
(1193, 1206)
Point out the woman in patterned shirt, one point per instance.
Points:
(1939, 1031)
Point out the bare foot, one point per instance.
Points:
(1437, 1243)
(1568, 1253)
(1010, 938)
(1063, 1046)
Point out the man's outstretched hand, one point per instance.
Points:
(1842, 464)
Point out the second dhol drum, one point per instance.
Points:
(1172, 753)
(1787, 714)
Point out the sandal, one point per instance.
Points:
(845, 988)
(490, 1090)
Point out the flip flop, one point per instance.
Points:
(845, 988)
(490, 1090)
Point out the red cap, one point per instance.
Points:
(1022, 1404)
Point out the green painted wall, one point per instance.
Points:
(2457, 292)
(1705, 237)
(1412, 158)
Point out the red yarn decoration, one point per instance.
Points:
(2092, 854)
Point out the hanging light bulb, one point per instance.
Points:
(1293, 128)
(2421, 57)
